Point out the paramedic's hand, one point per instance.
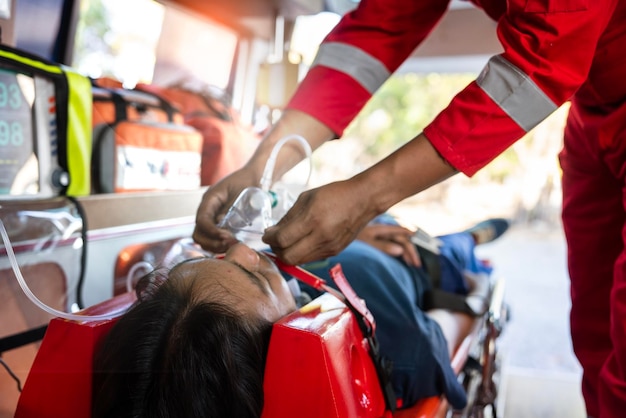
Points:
(393, 240)
(214, 205)
(321, 223)
(324, 221)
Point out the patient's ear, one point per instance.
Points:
(148, 285)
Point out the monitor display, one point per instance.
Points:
(19, 166)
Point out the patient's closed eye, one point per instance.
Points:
(253, 277)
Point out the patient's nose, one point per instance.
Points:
(245, 256)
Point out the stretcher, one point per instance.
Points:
(319, 364)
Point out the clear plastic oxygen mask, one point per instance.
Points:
(249, 216)
(258, 208)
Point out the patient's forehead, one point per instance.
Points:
(255, 290)
(214, 280)
(202, 272)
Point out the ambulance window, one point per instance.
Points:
(193, 48)
(118, 39)
(308, 33)
(164, 45)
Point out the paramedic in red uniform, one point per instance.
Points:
(554, 51)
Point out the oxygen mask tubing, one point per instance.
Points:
(258, 208)
(20, 279)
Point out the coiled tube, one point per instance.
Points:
(20, 279)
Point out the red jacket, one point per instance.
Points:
(551, 49)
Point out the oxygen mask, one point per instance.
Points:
(258, 208)
(249, 216)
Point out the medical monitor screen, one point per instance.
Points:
(19, 168)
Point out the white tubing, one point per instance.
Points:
(20, 279)
(131, 273)
(266, 179)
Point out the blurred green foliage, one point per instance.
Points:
(524, 178)
(402, 107)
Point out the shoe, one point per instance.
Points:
(489, 230)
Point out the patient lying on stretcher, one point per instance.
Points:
(195, 343)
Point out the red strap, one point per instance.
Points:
(306, 277)
(345, 294)
(357, 303)
(299, 273)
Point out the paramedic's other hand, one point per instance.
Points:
(393, 240)
(324, 221)
(214, 205)
(321, 223)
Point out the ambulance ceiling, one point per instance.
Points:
(464, 31)
(254, 17)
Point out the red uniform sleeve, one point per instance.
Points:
(548, 45)
(553, 44)
(388, 30)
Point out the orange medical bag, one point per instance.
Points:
(227, 141)
(141, 144)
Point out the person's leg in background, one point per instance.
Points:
(593, 220)
(457, 256)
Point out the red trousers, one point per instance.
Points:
(593, 160)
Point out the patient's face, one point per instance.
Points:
(245, 279)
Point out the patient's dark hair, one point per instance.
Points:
(175, 355)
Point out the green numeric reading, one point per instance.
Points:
(10, 95)
(11, 134)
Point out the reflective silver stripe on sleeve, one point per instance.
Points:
(368, 71)
(515, 93)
